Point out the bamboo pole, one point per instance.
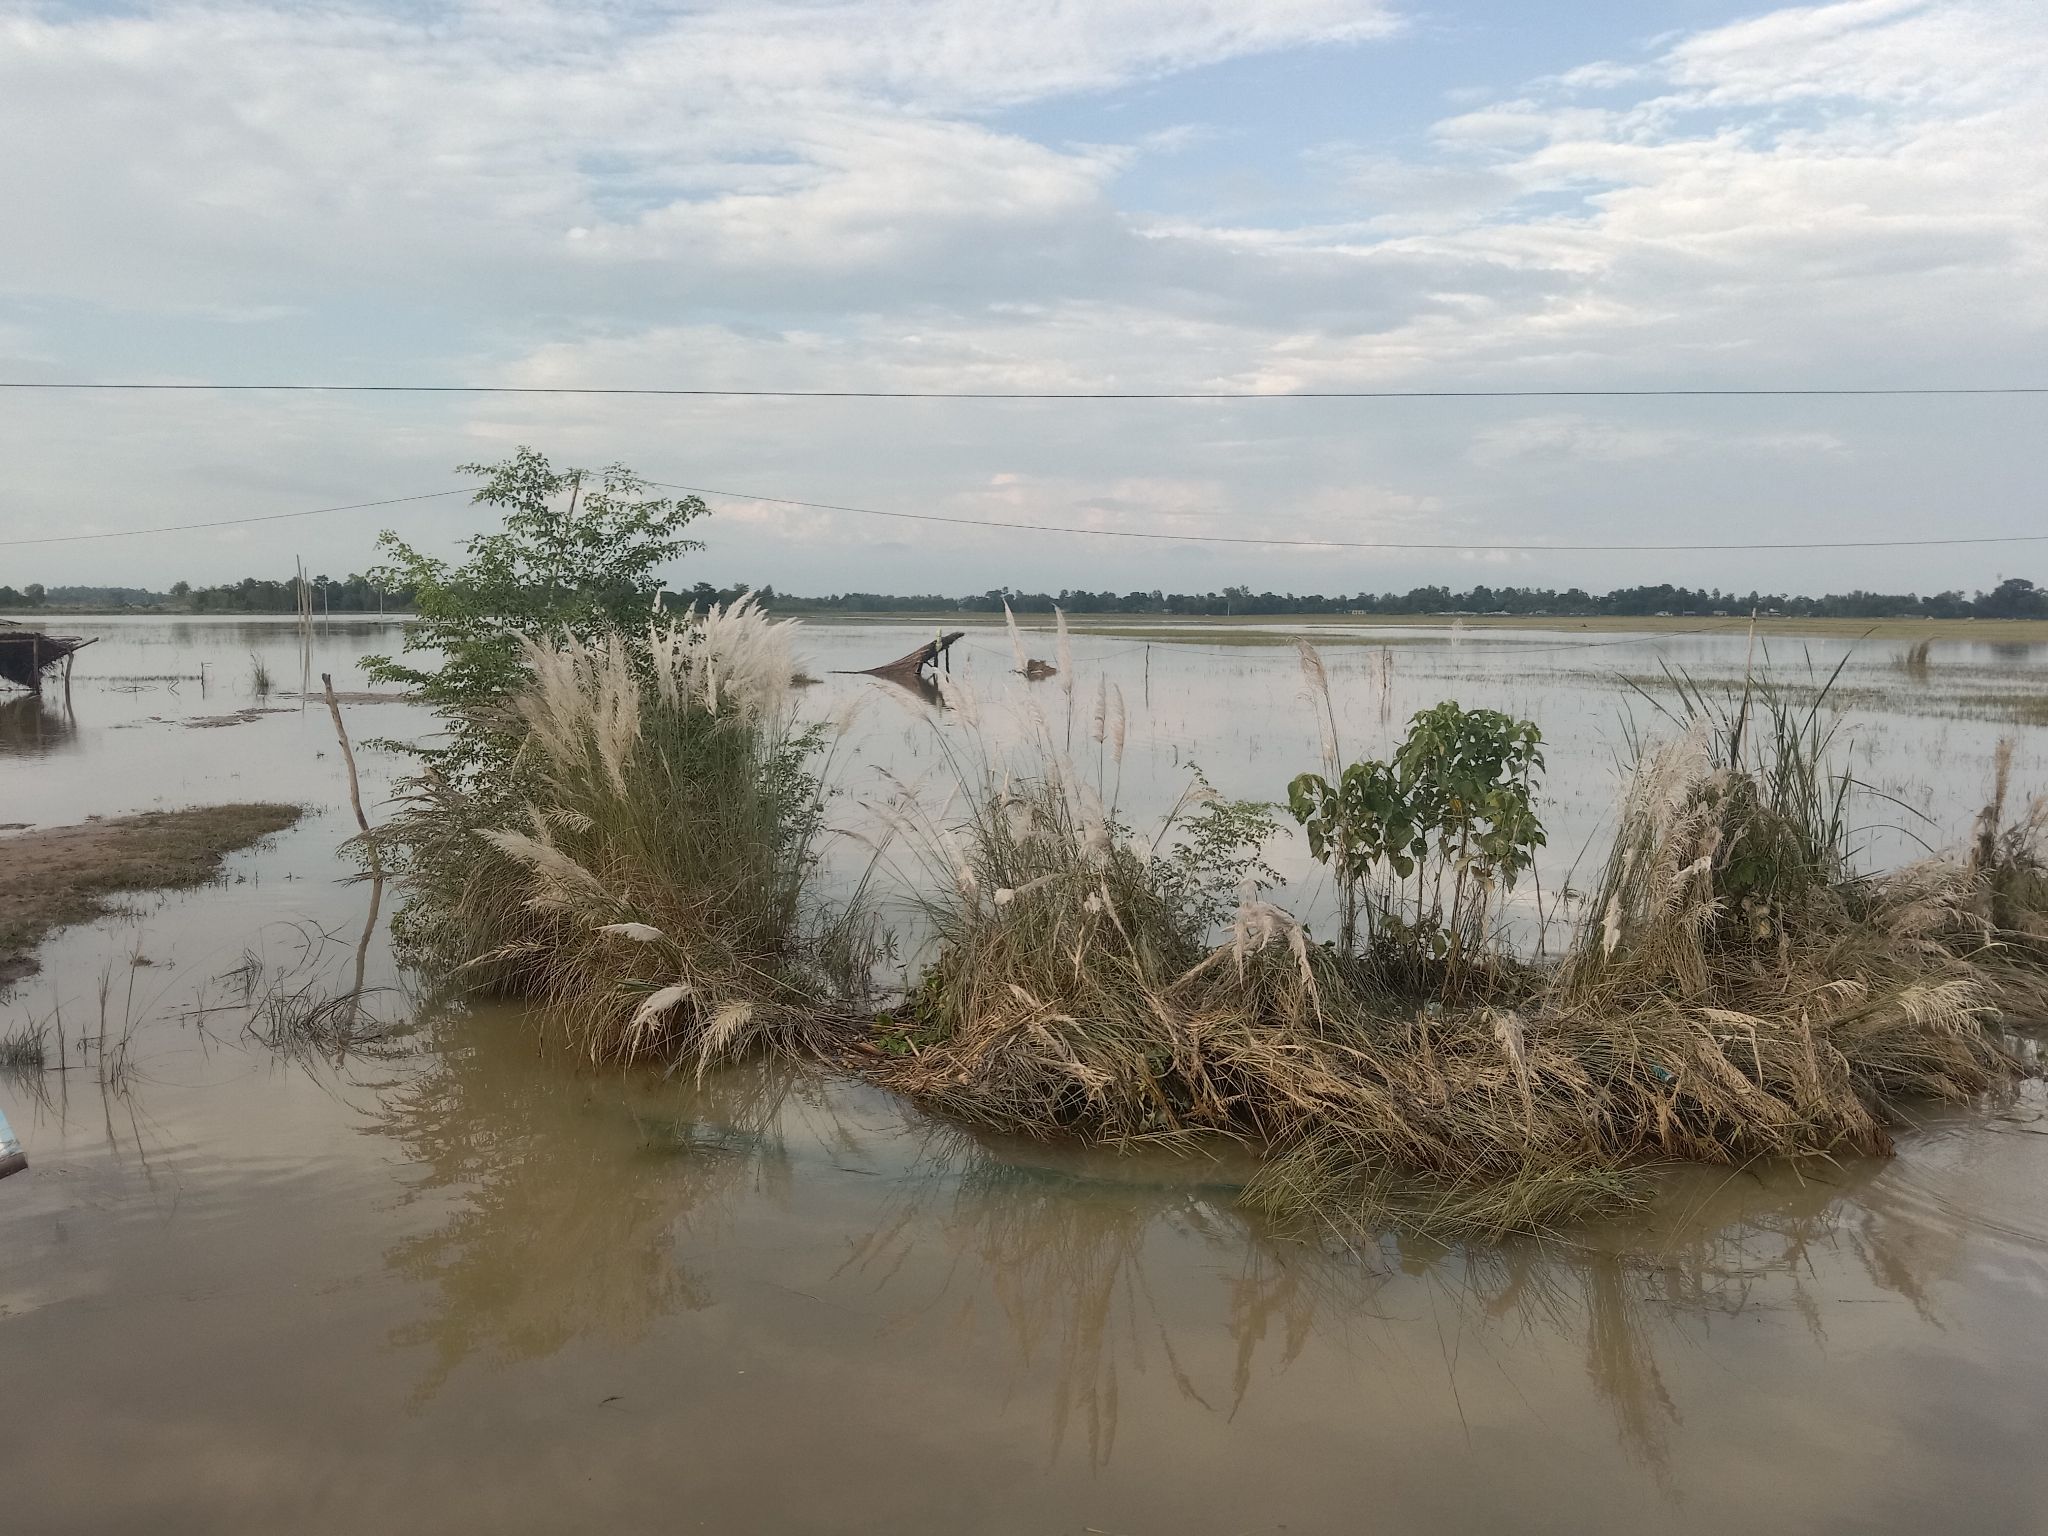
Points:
(355, 792)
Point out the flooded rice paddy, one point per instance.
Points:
(434, 1279)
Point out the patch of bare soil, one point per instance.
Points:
(64, 875)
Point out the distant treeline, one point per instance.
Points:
(2016, 598)
(36, 595)
(252, 594)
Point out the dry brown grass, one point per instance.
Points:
(1736, 992)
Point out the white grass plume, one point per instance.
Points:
(643, 933)
(1016, 640)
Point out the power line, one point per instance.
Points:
(1623, 393)
(1457, 545)
(232, 522)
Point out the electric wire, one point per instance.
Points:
(1764, 392)
(1461, 545)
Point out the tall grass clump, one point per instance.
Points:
(24, 1049)
(1740, 989)
(651, 889)
(1091, 981)
(1069, 949)
(2010, 858)
(1084, 987)
(1741, 986)
(2007, 867)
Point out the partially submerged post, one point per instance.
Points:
(355, 791)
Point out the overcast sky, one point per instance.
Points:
(1044, 194)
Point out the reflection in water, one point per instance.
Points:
(34, 723)
(572, 1202)
(920, 687)
(1085, 1265)
(1077, 1267)
(568, 1193)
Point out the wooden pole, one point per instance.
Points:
(369, 931)
(355, 792)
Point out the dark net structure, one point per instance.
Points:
(29, 656)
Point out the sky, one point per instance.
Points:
(1045, 195)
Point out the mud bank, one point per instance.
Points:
(58, 876)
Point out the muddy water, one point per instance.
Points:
(447, 1283)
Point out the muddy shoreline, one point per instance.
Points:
(55, 877)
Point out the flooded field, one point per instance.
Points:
(431, 1278)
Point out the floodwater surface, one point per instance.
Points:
(444, 1281)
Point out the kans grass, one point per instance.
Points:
(645, 870)
(1736, 988)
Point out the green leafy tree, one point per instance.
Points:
(2013, 598)
(579, 554)
(1359, 826)
(1470, 775)
(1453, 808)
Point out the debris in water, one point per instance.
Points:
(12, 1158)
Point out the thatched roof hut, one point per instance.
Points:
(27, 654)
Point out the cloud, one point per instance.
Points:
(1569, 437)
(248, 147)
(942, 195)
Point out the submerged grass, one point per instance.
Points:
(296, 1009)
(25, 1049)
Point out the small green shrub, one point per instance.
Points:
(1420, 845)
